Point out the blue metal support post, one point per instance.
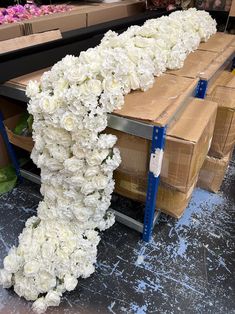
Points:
(201, 89)
(9, 147)
(158, 142)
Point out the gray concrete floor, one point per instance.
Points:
(187, 268)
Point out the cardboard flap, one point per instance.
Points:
(23, 80)
(154, 103)
(218, 42)
(195, 63)
(193, 120)
(27, 41)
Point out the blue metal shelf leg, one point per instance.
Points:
(201, 89)
(158, 142)
(9, 147)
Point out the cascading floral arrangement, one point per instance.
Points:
(70, 106)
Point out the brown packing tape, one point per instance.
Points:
(218, 42)
(170, 201)
(9, 31)
(20, 141)
(212, 173)
(27, 41)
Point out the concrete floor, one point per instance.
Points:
(187, 268)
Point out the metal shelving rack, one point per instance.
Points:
(155, 133)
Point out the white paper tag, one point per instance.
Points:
(156, 162)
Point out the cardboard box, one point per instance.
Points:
(132, 7)
(27, 41)
(8, 109)
(160, 102)
(195, 64)
(223, 79)
(212, 173)
(20, 141)
(105, 14)
(187, 144)
(9, 31)
(223, 59)
(217, 42)
(224, 132)
(232, 9)
(169, 200)
(67, 21)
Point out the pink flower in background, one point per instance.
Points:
(19, 13)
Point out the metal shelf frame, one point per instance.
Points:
(155, 133)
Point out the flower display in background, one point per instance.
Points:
(70, 106)
(18, 13)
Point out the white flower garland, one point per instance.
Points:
(70, 106)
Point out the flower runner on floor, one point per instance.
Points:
(70, 106)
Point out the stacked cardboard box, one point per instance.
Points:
(9, 31)
(187, 143)
(82, 15)
(223, 93)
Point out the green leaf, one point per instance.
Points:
(8, 179)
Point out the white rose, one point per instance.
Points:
(91, 171)
(92, 199)
(48, 250)
(31, 268)
(45, 281)
(106, 141)
(74, 164)
(5, 278)
(12, 262)
(78, 151)
(97, 157)
(134, 81)
(32, 89)
(100, 181)
(70, 282)
(68, 121)
(40, 306)
(77, 180)
(52, 298)
(87, 188)
(94, 86)
(49, 104)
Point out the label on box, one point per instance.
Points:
(156, 162)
